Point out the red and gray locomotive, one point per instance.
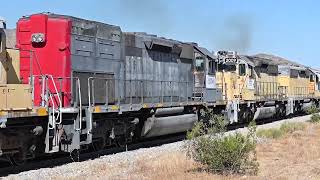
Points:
(91, 83)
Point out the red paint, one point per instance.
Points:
(51, 57)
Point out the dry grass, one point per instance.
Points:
(296, 156)
(285, 128)
(293, 156)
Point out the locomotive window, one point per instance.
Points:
(199, 64)
(211, 67)
(294, 73)
(311, 78)
(251, 71)
(242, 69)
(227, 68)
(303, 74)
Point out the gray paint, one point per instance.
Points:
(142, 68)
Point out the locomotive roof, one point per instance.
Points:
(315, 71)
(273, 60)
(205, 51)
(259, 59)
(72, 18)
(151, 38)
(247, 59)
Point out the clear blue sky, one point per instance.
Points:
(287, 28)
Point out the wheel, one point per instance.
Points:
(121, 141)
(99, 145)
(75, 155)
(17, 159)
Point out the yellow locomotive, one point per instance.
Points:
(265, 86)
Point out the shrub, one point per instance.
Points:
(197, 130)
(313, 109)
(315, 118)
(222, 153)
(290, 127)
(273, 133)
(285, 128)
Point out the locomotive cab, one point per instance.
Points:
(314, 84)
(235, 76)
(246, 80)
(205, 76)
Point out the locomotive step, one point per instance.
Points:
(69, 110)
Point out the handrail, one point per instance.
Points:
(80, 109)
(59, 99)
(53, 112)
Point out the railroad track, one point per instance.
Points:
(59, 159)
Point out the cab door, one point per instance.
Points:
(246, 82)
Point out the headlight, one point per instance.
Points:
(37, 38)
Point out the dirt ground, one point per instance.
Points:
(295, 156)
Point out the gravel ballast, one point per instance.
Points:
(86, 169)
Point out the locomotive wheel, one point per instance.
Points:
(121, 141)
(75, 155)
(283, 111)
(246, 116)
(100, 144)
(17, 159)
(250, 115)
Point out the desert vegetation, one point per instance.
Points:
(220, 153)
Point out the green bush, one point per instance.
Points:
(313, 109)
(315, 118)
(285, 128)
(222, 153)
(197, 130)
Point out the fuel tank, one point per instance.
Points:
(306, 106)
(168, 111)
(265, 112)
(158, 126)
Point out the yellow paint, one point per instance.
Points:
(234, 86)
(227, 82)
(311, 87)
(15, 96)
(97, 109)
(3, 113)
(299, 87)
(114, 107)
(283, 80)
(42, 111)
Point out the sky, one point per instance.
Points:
(287, 28)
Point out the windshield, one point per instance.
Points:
(227, 68)
(199, 64)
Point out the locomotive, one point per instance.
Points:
(70, 83)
